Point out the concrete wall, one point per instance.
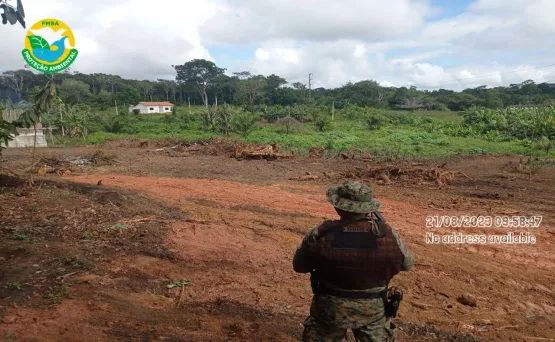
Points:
(166, 109)
(26, 137)
(142, 109)
(28, 140)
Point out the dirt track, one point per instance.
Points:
(239, 224)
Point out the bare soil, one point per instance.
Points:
(87, 254)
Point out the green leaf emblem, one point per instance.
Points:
(37, 42)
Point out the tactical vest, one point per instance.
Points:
(356, 255)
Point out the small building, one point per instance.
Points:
(152, 107)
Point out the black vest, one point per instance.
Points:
(356, 255)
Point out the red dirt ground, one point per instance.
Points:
(231, 228)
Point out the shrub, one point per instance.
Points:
(321, 120)
(244, 123)
(401, 119)
(545, 144)
(113, 124)
(373, 121)
(208, 117)
(274, 113)
(136, 111)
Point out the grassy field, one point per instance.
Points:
(429, 139)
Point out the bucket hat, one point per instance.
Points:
(353, 197)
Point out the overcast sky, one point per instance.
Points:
(426, 43)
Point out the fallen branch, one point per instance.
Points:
(63, 277)
(192, 149)
(509, 327)
(10, 171)
(142, 219)
(464, 174)
(539, 338)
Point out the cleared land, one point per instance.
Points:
(89, 255)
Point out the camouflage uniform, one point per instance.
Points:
(331, 316)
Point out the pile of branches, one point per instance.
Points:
(265, 151)
(219, 147)
(406, 173)
(55, 164)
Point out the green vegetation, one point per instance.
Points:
(21, 233)
(15, 285)
(358, 117)
(355, 129)
(57, 293)
(117, 226)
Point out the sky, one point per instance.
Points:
(430, 44)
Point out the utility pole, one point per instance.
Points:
(309, 85)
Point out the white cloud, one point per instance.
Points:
(262, 54)
(255, 21)
(337, 41)
(134, 39)
(360, 51)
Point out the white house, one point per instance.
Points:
(152, 107)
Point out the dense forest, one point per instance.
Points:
(201, 82)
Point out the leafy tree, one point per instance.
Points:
(412, 103)
(201, 73)
(166, 87)
(7, 130)
(77, 119)
(73, 91)
(128, 95)
(202, 82)
(103, 100)
(252, 89)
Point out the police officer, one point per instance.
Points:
(352, 261)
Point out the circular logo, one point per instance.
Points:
(49, 46)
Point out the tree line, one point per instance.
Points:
(202, 82)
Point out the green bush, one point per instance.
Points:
(244, 123)
(113, 124)
(351, 112)
(373, 121)
(545, 144)
(321, 119)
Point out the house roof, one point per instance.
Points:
(157, 103)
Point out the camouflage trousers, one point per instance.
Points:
(315, 332)
(331, 317)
